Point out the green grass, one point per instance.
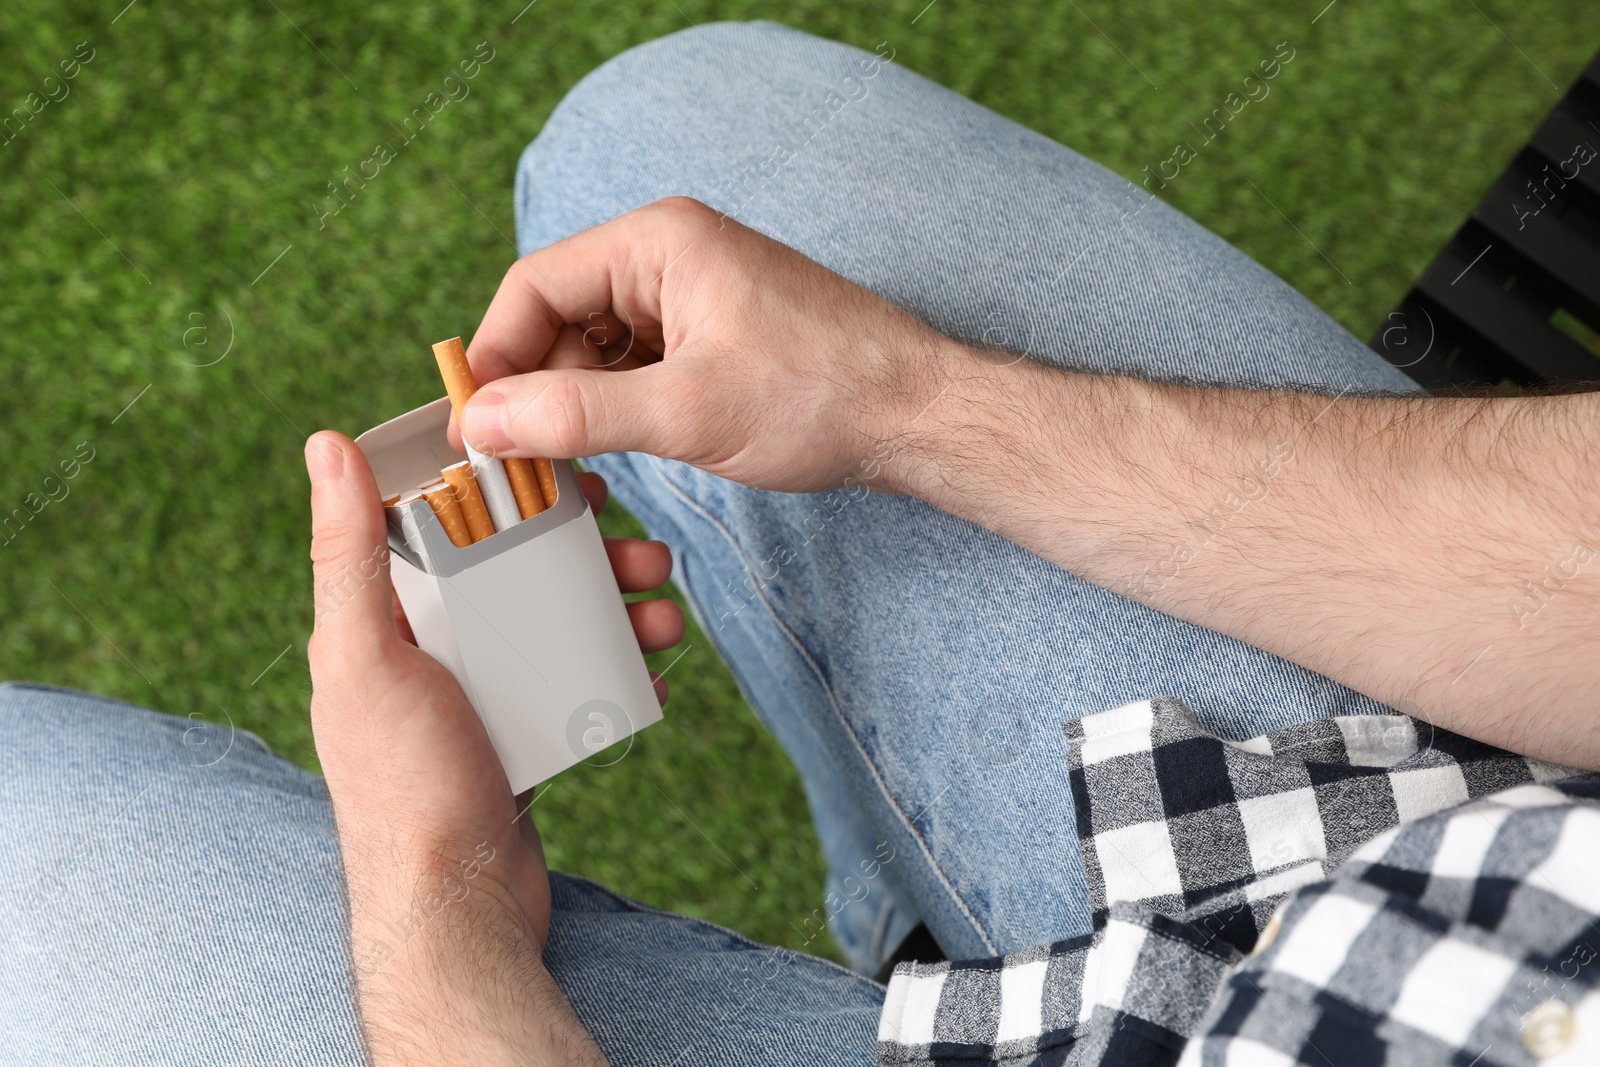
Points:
(196, 143)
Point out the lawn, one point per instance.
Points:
(166, 206)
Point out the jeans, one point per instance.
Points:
(917, 667)
(173, 890)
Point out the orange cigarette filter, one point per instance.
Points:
(547, 480)
(456, 372)
(442, 498)
(392, 501)
(470, 499)
(524, 486)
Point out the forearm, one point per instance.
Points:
(1385, 542)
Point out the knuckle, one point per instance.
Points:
(333, 543)
(680, 214)
(347, 661)
(683, 207)
(566, 417)
(522, 274)
(328, 659)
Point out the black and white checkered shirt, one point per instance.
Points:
(1352, 891)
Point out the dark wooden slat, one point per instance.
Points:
(1437, 350)
(1556, 139)
(1505, 321)
(1565, 257)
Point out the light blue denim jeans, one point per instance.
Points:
(172, 890)
(916, 667)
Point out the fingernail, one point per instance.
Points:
(324, 458)
(483, 422)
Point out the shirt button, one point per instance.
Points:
(1548, 1029)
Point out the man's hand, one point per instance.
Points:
(1436, 554)
(449, 896)
(745, 358)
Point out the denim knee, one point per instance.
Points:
(61, 749)
(663, 118)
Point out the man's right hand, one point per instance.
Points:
(739, 355)
(1398, 545)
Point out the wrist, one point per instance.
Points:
(1051, 459)
(462, 984)
(906, 435)
(981, 421)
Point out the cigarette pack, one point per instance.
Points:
(529, 620)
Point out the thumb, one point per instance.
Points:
(349, 544)
(570, 413)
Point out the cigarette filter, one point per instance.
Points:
(442, 499)
(456, 372)
(524, 486)
(546, 471)
(459, 478)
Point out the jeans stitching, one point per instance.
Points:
(645, 909)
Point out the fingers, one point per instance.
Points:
(640, 566)
(349, 545)
(576, 348)
(595, 489)
(658, 624)
(590, 302)
(572, 413)
(605, 345)
(614, 269)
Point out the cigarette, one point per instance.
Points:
(459, 477)
(442, 499)
(496, 489)
(546, 471)
(524, 486)
(456, 372)
(490, 473)
(392, 501)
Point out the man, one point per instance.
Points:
(954, 576)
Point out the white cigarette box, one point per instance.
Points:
(530, 620)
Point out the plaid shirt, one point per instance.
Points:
(1357, 890)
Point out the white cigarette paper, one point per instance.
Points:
(496, 489)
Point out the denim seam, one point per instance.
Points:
(855, 738)
(645, 909)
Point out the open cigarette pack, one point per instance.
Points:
(507, 583)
